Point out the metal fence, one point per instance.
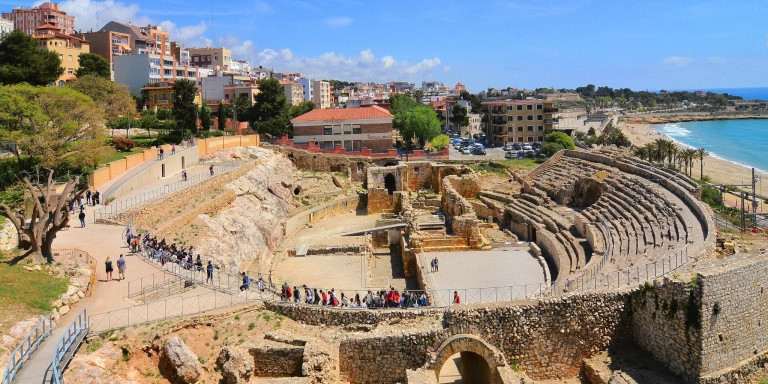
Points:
(28, 344)
(112, 209)
(67, 345)
(172, 307)
(80, 256)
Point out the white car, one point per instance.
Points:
(527, 147)
(466, 150)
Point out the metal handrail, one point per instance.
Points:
(115, 208)
(64, 352)
(40, 332)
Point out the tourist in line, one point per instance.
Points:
(183, 175)
(199, 264)
(308, 298)
(286, 294)
(456, 298)
(296, 295)
(260, 283)
(108, 266)
(316, 296)
(246, 283)
(344, 300)
(121, 267)
(88, 196)
(332, 300)
(209, 277)
(81, 216)
(324, 296)
(210, 169)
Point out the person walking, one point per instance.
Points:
(162, 153)
(456, 298)
(81, 216)
(210, 169)
(88, 196)
(209, 271)
(260, 284)
(121, 267)
(109, 269)
(432, 265)
(173, 149)
(246, 283)
(437, 264)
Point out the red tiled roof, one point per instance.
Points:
(362, 113)
(48, 26)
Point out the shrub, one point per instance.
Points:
(440, 141)
(123, 145)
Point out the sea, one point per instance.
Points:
(743, 142)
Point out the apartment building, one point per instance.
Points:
(108, 44)
(150, 39)
(136, 71)
(180, 53)
(214, 58)
(306, 86)
(28, 19)
(321, 94)
(68, 47)
(6, 27)
(351, 128)
(294, 92)
(519, 121)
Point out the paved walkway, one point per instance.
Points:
(101, 241)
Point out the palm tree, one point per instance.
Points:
(650, 149)
(689, 155)
(701, 153)
(661, 148)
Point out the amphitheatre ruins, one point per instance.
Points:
(594, 266)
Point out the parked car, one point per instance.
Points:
(517, 146)
(478, 150)
(508, 148)
(537, 145)
(527, 147)
(510, 155)
(466, 150)
(530, 154)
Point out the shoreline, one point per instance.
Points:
(719, 170)
(664, 118)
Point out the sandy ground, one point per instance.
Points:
(719, 170)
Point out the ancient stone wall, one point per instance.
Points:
(272, 359)
(734, 317)
(464, 222)
(320, 315)
(379, 200)
(419, 175)
(384, 359)
(660, 326)
(355, 167)
(551, 337)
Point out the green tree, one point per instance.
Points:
(550, 148)
(184, 108)
(164, 114)
(113, 98)
(22, 60)
(205, 118)
(298, 110)
(149, 121)
(269, 113)
(701, 153)
(92, 64)
(459, 117)
(560, 138)
(418, 95)
(439, 142)
(222, 112)
(419, 124)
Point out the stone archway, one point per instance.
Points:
(390, 183)
(479, 359)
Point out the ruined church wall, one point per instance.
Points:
(300, 219)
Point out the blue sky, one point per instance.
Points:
(568, 43)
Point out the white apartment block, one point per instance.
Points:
(321, 94)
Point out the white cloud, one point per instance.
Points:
(423, 66)
(364, 66)
(446, 69)
(678, 61)
(338, 21)
(94, 14)
(190, 35)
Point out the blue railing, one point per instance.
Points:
(27, 345)
(67, 345)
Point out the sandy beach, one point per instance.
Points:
(719, 170)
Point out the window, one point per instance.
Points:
(326, 145)
(529, 107)
(70, 71)
(215, 57)
(530, 139)
(196, 58)
(540, 128)
(520, 128)
(519, 107)
(539, 117)
(168, 72)
(530, 117)
(510, 139)
(347, 129)
(327, 130)
(519, 118)
(357, 129)
(541, 138)
(539, 106)
(509, 107)
(520, 139)
(510, 118)
(337, 129)
(530, 128)
(510, 129)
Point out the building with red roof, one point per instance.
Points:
(350, 128)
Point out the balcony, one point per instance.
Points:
(550, 110)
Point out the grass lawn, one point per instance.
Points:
(120, 155)
(513, 165)
(33, 290)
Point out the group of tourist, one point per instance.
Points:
(91, 198)
(378, 299)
